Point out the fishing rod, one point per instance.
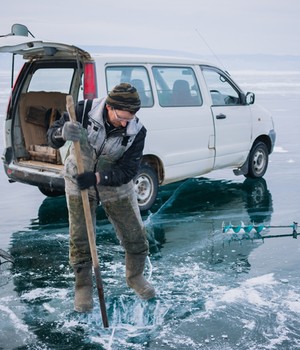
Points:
(258, 230)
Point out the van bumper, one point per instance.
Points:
(41, 178)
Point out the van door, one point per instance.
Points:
(180, 131)
(184, 132)
(35, 49)
(232, 119)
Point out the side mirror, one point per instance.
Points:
(250, 98)
(19, 29)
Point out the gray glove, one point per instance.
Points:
(71, 131)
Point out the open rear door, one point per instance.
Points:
(32, 47)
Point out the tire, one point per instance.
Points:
(258, 160)
(146, 187)
(51, 193)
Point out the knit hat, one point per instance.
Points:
(124, 97)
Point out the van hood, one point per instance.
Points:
(31, 48)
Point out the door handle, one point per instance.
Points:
(221, 116)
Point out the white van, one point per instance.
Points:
(197, 117)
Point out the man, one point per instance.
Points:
(112, 140)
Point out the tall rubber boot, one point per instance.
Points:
(135, 264)
(83, 301)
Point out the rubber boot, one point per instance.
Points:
(83, 301)
(135, 264)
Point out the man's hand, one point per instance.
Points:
(71, 131)
(86, 180)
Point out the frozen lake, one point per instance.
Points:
(215, 290)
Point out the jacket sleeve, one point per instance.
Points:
(54, 133)
(126, 168)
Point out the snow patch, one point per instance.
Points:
(293, 302)
(18, 324)
(49, 308)
(251, 291)
(45, 293)
(278, 149)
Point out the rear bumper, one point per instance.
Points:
(34, 175)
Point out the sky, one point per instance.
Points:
(198, 26)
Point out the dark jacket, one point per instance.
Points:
(120, 172)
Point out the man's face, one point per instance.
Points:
(118, 117)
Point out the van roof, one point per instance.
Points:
(31, 48)
(124, 54)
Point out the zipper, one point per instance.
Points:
(101, 148)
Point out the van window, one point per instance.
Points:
(177, 86)
(221, 89)
(136, 76)
(52, 79)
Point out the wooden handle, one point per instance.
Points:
(72, 115)
(88, 218)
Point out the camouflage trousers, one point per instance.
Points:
(123, 214)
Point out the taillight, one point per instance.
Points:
(90, 81)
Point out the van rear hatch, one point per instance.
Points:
(31, 48)
(51, 70)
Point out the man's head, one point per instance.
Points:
(124, 97)
(122, 103)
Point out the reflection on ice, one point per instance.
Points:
(201, 279)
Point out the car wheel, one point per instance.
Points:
(146, 187)
(258, 160)
(51, 193)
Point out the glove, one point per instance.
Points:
(86, 180)
(71, 131)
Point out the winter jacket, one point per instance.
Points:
(117, 154)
